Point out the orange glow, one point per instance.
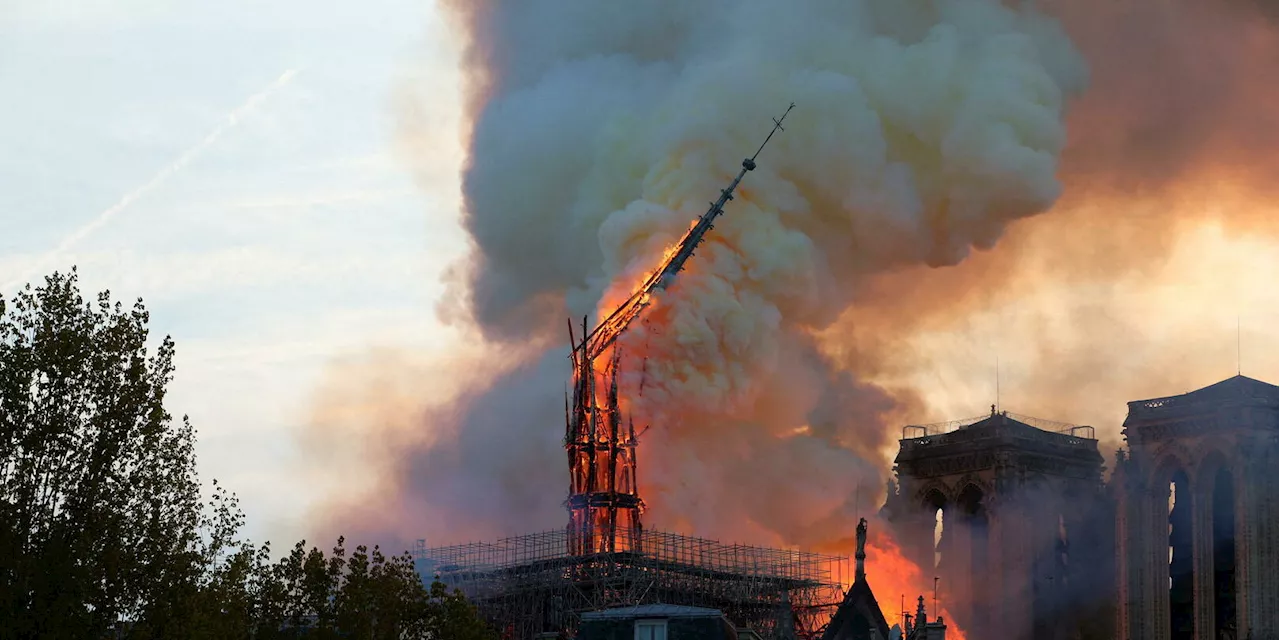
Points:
(624, 288)
(617, 295)
(892, 576)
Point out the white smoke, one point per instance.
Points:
(922, 129)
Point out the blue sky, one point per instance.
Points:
(246, 254)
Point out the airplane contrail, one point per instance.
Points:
(187, 156)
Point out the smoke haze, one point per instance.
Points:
(868, 273)
(1165, 236)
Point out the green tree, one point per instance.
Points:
(101, 519)
(370, 595)
(450, 615)
(99, 501)
(232, 591)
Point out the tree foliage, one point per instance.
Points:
(98, 492)
(102, 529)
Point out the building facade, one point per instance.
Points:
(1196, 520)
(1026, 540)
(1006, 515)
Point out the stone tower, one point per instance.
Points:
(1007, 515)
(1196, 517)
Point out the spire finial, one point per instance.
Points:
(860, 556)
(750, 163)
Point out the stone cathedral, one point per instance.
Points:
(1028, 541)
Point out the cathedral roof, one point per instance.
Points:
(1002, 430)
(859, 613)
(1236, 386)
(858, 604)
(1000, 420)
(1003, 421)
(1236, 390)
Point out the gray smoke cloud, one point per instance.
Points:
(600, 131)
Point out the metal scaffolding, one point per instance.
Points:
(531, 584)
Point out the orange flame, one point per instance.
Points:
(624, 287)
(898, 582)
(618, 293)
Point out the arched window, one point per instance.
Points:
(936, 504)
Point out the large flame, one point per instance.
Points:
(621, 292)
(898, 582)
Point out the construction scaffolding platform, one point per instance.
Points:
(531, 584)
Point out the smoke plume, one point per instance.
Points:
(923, 130)
(865, 274)
(1164, 238)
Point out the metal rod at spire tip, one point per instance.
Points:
(777, 124)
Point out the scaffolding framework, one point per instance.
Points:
(530, 584)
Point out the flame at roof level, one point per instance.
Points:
(899, 581)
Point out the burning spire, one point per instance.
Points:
(604, 500)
